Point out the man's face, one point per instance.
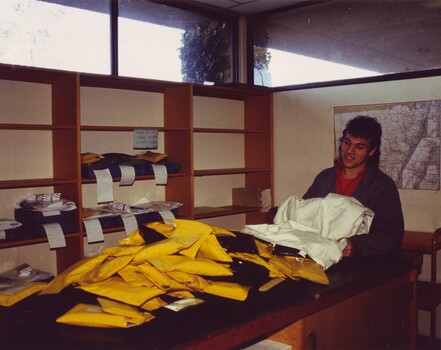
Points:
(355, 152)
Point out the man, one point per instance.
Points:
(357, 174)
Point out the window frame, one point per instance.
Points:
(342, 82)
(196, 8)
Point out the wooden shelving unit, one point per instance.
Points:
(176, 126)
(176, 129)
(64, 131)
(257, 133)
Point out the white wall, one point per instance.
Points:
(304, 144)
(304, 126)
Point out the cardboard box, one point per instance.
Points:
(252, 197)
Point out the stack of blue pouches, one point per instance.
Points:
(32, 221)
(14, 234)
(113, 161)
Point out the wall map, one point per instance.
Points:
(410, 149)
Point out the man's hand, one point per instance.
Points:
(350, 249)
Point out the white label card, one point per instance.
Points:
(130, 224)
(145, 139)
(161, 175)
(127, 175)
(167, 216)
(51, 213)
(94, 231)
(55, 235)
(104, 186)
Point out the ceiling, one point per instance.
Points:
(250, 7)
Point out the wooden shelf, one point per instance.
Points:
(127, 128)
(127, 83)
(32, 241)
(229, 131)
(4, 126)
(236, 91)
(138, 178)
(211, 172)
(210, 212)
(35, 183)
(31, 74)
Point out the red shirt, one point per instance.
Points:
(345, 186)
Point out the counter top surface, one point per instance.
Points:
(227, 323)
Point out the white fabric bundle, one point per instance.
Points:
(317, 226)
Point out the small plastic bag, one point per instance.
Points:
(11, 296)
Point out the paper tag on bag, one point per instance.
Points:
(94, 231)
(55, 235)
(161, 174)
(167, 215)
(104, 186)
(130, 224)
(183, 304)
(127, 175)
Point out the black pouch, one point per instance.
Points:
(242, 243)
(283, 250)
(33, 221)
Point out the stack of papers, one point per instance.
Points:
(20, 275)
(7, 224)
(125, 210)
(46, 202)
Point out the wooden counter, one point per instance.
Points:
(369, 302)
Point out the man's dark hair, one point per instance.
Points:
(366, 128)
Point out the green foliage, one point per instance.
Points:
(262, 57)
(206, 52)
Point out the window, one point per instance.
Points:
(162, 42)
(51, 34)
(338, 40)
(154, 41)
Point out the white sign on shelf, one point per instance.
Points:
(145, 139)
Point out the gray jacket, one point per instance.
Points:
(378, 192)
